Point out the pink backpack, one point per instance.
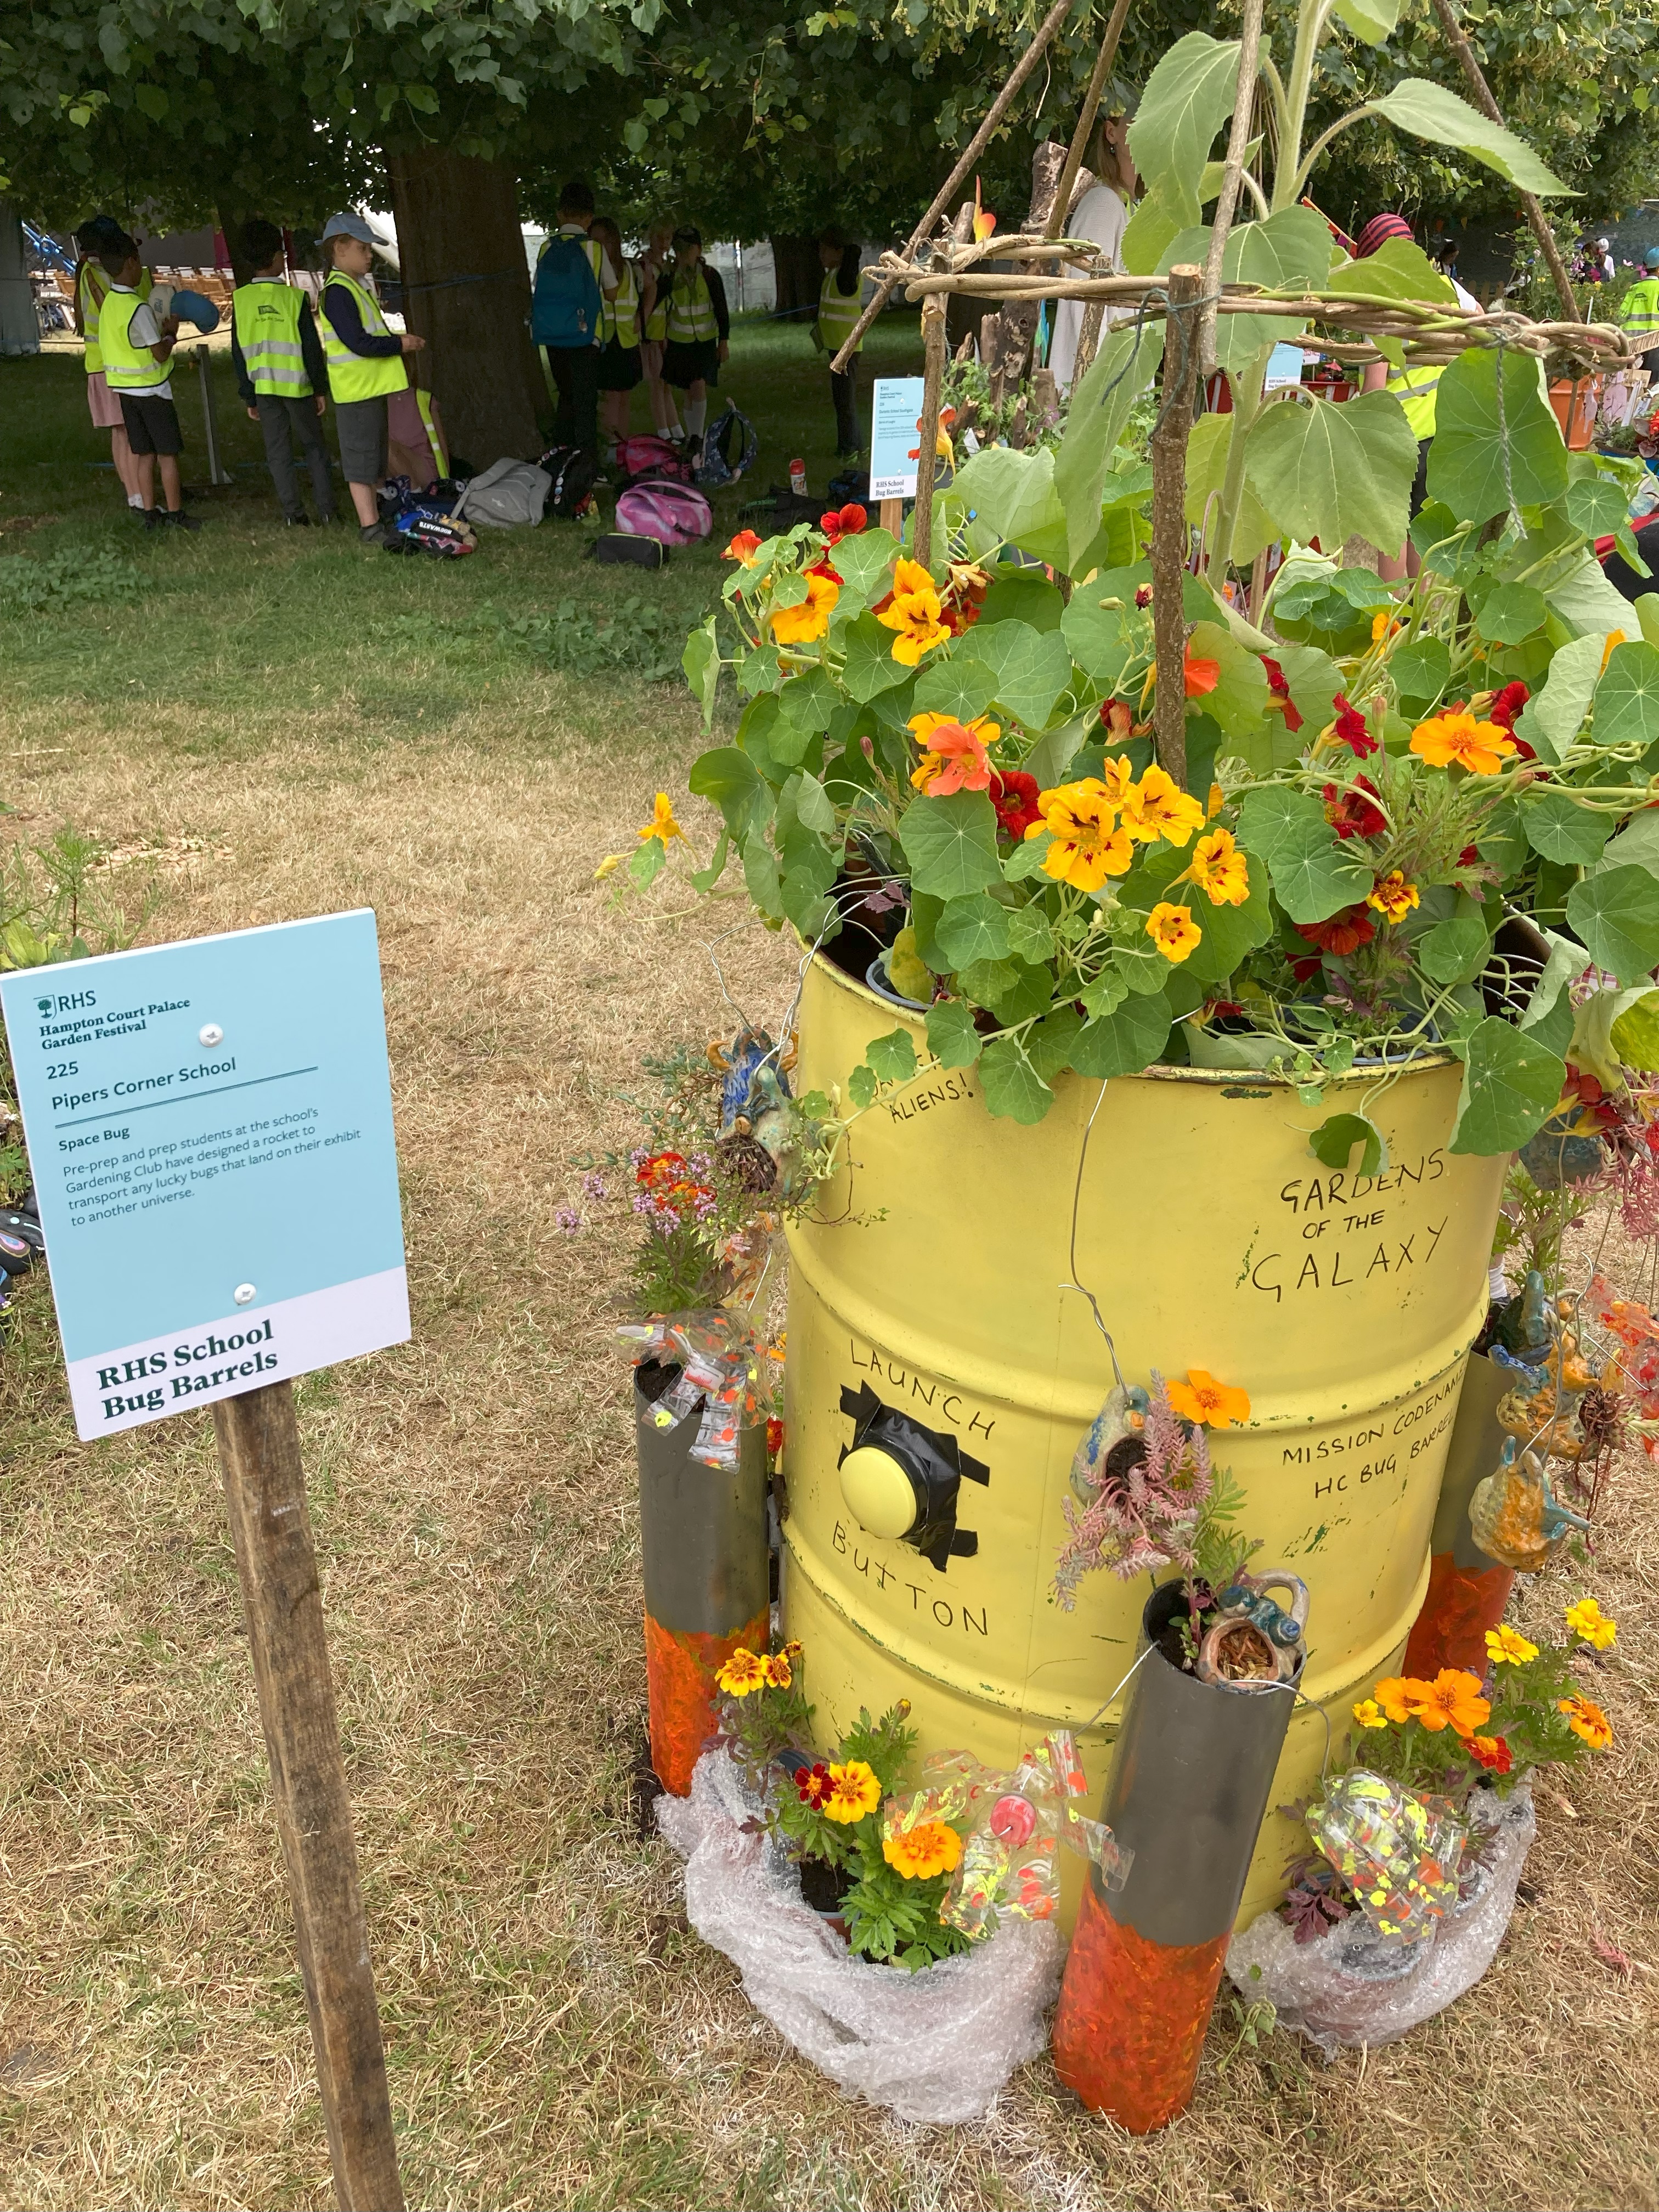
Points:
(638, 457)
(672, 513)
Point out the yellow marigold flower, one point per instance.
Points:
(779, 1672)
(914, 612)
(662, 822)
(1587, 1620)
(1214, 1405)
(743, 1672)
(1173, 930)
(1158, 807)
(853, 1792)
(1457, 740)
(1507, 1647)
(1088, 843)
(1586, 1719)
(1369, 1714)
(1220, 869)
(1392, 895)
(1453, 1697)
(931, 1847)
(803, 624)
(608, 867)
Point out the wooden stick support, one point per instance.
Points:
(266, 1494)
(1249, 47)
(1170, 536)
(932, 355)
(892, 517)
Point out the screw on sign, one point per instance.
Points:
(212, 1230)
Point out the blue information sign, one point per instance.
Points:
(894, 437)
(210, 1128)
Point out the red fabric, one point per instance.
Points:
(1132, 2018)
(1377, 231)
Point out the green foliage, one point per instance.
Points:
(93, 576)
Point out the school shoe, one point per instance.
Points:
(296, 521)
(376, 533)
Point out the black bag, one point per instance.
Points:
(617, 549)
(851, 489)
(574, 473)
(781, 509)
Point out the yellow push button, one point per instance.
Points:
(878, 1491)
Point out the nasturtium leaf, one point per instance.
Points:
(1012, 1087)
(705, 879)
(1098, 636)
(1208, 445)
(1331, 472)
(1553, 718)
(893, 1057)
(1012, 492)
(1313, 873)
(1597, 506)
(1334, 1139)
(1030, 938)
(952, 1038)
(1637, 845)
(1188, 96)
(1429, 111)
(701, 662)
(1466, 458)
(1106, 993)
(1030, 668)
(1021, 595)
(861, 1085)
(760, 875)
(951, 844)
(1098, 415)
(1560, 829)
(962, 688)
(1615, 913)
(1635, 1035)
(1453, 951)
(1397, 271)
(862, 562)
(870, 667)
(1127, 1040)
(1421, 670)
(1511, 1086)
(646, 865)
(1049, 1044)
(807, 701)
(728, 776)
(1512, 613)
(1627, 696)
(972, 929)
(1585, 601)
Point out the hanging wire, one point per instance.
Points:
(1083, 1289)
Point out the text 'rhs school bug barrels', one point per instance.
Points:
(940, 1377)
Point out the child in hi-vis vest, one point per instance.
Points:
(840, 300)
(277, 358)
(620, 316)
(365, 365)
(696, 329)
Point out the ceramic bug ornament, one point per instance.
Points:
(1513, 1513)
(1252, 1637)
(1122, 1413)
(741, 1065)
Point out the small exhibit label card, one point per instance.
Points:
(894, 437)
(209, 1129)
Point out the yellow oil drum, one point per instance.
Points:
(934, 1280)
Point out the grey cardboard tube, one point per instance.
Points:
(1471, 1456)
(703, 1529)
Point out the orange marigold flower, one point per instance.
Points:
(1586, 1719)
(744, 547)
(1397, 1695)
(1173, 930)
(931, 1847)
(1201, 1398)
(1457, 740)
(853, 1792)
(953, 755)
(1392, 895)
(1453, 1697)
(1492, 1752)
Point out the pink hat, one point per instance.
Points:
(1379, 228)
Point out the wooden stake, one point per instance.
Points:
(1529, 201)
(932, 355)
(270, 1525)
(892, 517)
(1170, 536)
(1249, 48)
(1085, 121)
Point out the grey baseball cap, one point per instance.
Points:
(348, 225)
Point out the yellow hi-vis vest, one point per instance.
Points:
(266, 313)
(127, 366)
(619, 318)
(423, 401)
(357, 375)
(94, 288)
(1414, 387)
(691, 312)
(837, 312)
(656, 323)
(1638, 312)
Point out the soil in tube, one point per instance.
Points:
(1462, 1603)
(680, 1666)
(1132, 2018)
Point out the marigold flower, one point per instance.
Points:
(1395, 1694)
(744, 547)
(1173, 930)
(1340, 933)
(1279, 688)
(931, 1847)
(780, 1673)
(1586, 1719)
(812, 1785)
(1369, 1714)
(1220, 869)
(809, 619)
(1014, 794)
(913, 609)
(1457, 740)
(1198, 677)
(1158, 807)
(1392, 895)
(1214, 1405)
(773, 1436)
(1088, 843)
(1492, 1752)
(844, 522)
(1453, 1696)
(1507, 1647)
(662, 823)
(743, 1673)
(953, 758)
(1586, 1620)
(853, 1792)
(1349, 813)
(1350, 729)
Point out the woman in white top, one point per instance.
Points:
(1099, 215)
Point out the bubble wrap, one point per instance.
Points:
(1351, 1987)
(935, 2046)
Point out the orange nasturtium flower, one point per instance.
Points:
(1089, 844)
(913, 611)
(1392, 895)
(931, 1847)
(662, 823)
(1199, 677)
(853, 1792)
(1615, 638)
(1457, 740)
(1586, 1719)
(954, 756)
(1587, 1620)
(1215, 1405)
(1158, 807)
(1173, 930)
(1453, 1696)
(809, 619)
(1220, 869)
(743, 1672)
(744, 547)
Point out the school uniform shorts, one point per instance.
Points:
(152, 424)
(361, 428)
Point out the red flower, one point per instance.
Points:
(1492, 1752)
(1350, 729)
(1507, 704)
(1014, 795)
(1343, 932)
(1117, 721)
(773, 1436)
(1469, 857)
(844, 522)
(1306, 968)
(1143, 596)
(821, 567)
(1350, 815)
(813, 1785)
(1279, 685)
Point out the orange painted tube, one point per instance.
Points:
(1132, 2018)
(680, 1666)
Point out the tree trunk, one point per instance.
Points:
(798, 277)
(457, 217)
(232, 219)
(1018, 320)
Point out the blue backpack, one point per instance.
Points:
(565, 306)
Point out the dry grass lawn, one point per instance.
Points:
(555, 2036)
